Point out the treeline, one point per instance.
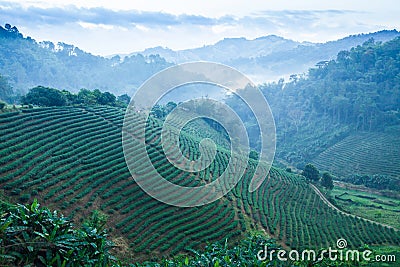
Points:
(10, 31)
(48, 97)
(27, 63)
(376, 181)
(361, 87)
(358, 91)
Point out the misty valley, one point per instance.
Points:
(85, 158)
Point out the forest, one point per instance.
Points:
(359, 91)
(26, 63)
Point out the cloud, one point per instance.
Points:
(299, 18)
(106, 31)
(38, 16)
(99, 15)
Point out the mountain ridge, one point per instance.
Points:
(27, 63)
(268, 58)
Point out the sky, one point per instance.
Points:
(122, 27)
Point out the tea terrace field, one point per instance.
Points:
(365, 154)
(71, 158)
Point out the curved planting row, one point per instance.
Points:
(363, 153)
(289, 210)
(72, 158)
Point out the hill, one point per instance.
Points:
(369, 153)
(27, 63)
(343, 107)
(71, 158)
(268, 58)
(227, 49)
(367, 158)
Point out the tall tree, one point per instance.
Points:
(44, 96)
(311, 172)
(106, 98)
(6, 91)
(327, 180)
(124, 99)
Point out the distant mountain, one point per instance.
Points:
(271, 57)
(26, 63)
(227, 49)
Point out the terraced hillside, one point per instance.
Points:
(365, 154)
(71, 158)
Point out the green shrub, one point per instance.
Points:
(35, 236)
(25, 197)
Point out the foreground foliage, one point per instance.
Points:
(221, 254)
(34, 236)
(247, 253)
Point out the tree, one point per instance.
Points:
(327, 180)
(158, 111)
(254, 155)
(86, 97)
(311, 172)
(170, 106)
(6, 90)
(10, 31)
(106, 99)
(44, 96)
(125, 99)
(70, 97)
(322, 64)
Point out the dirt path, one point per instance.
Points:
(326, 201)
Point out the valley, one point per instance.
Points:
(62, 153)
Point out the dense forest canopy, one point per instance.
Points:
(358, 91)
(26, 63)
(50, 97)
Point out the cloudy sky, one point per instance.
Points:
(108, 27)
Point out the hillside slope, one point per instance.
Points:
(27, 63)
(268, 58)
(363, 157)
(71, 158)
(357, 92)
